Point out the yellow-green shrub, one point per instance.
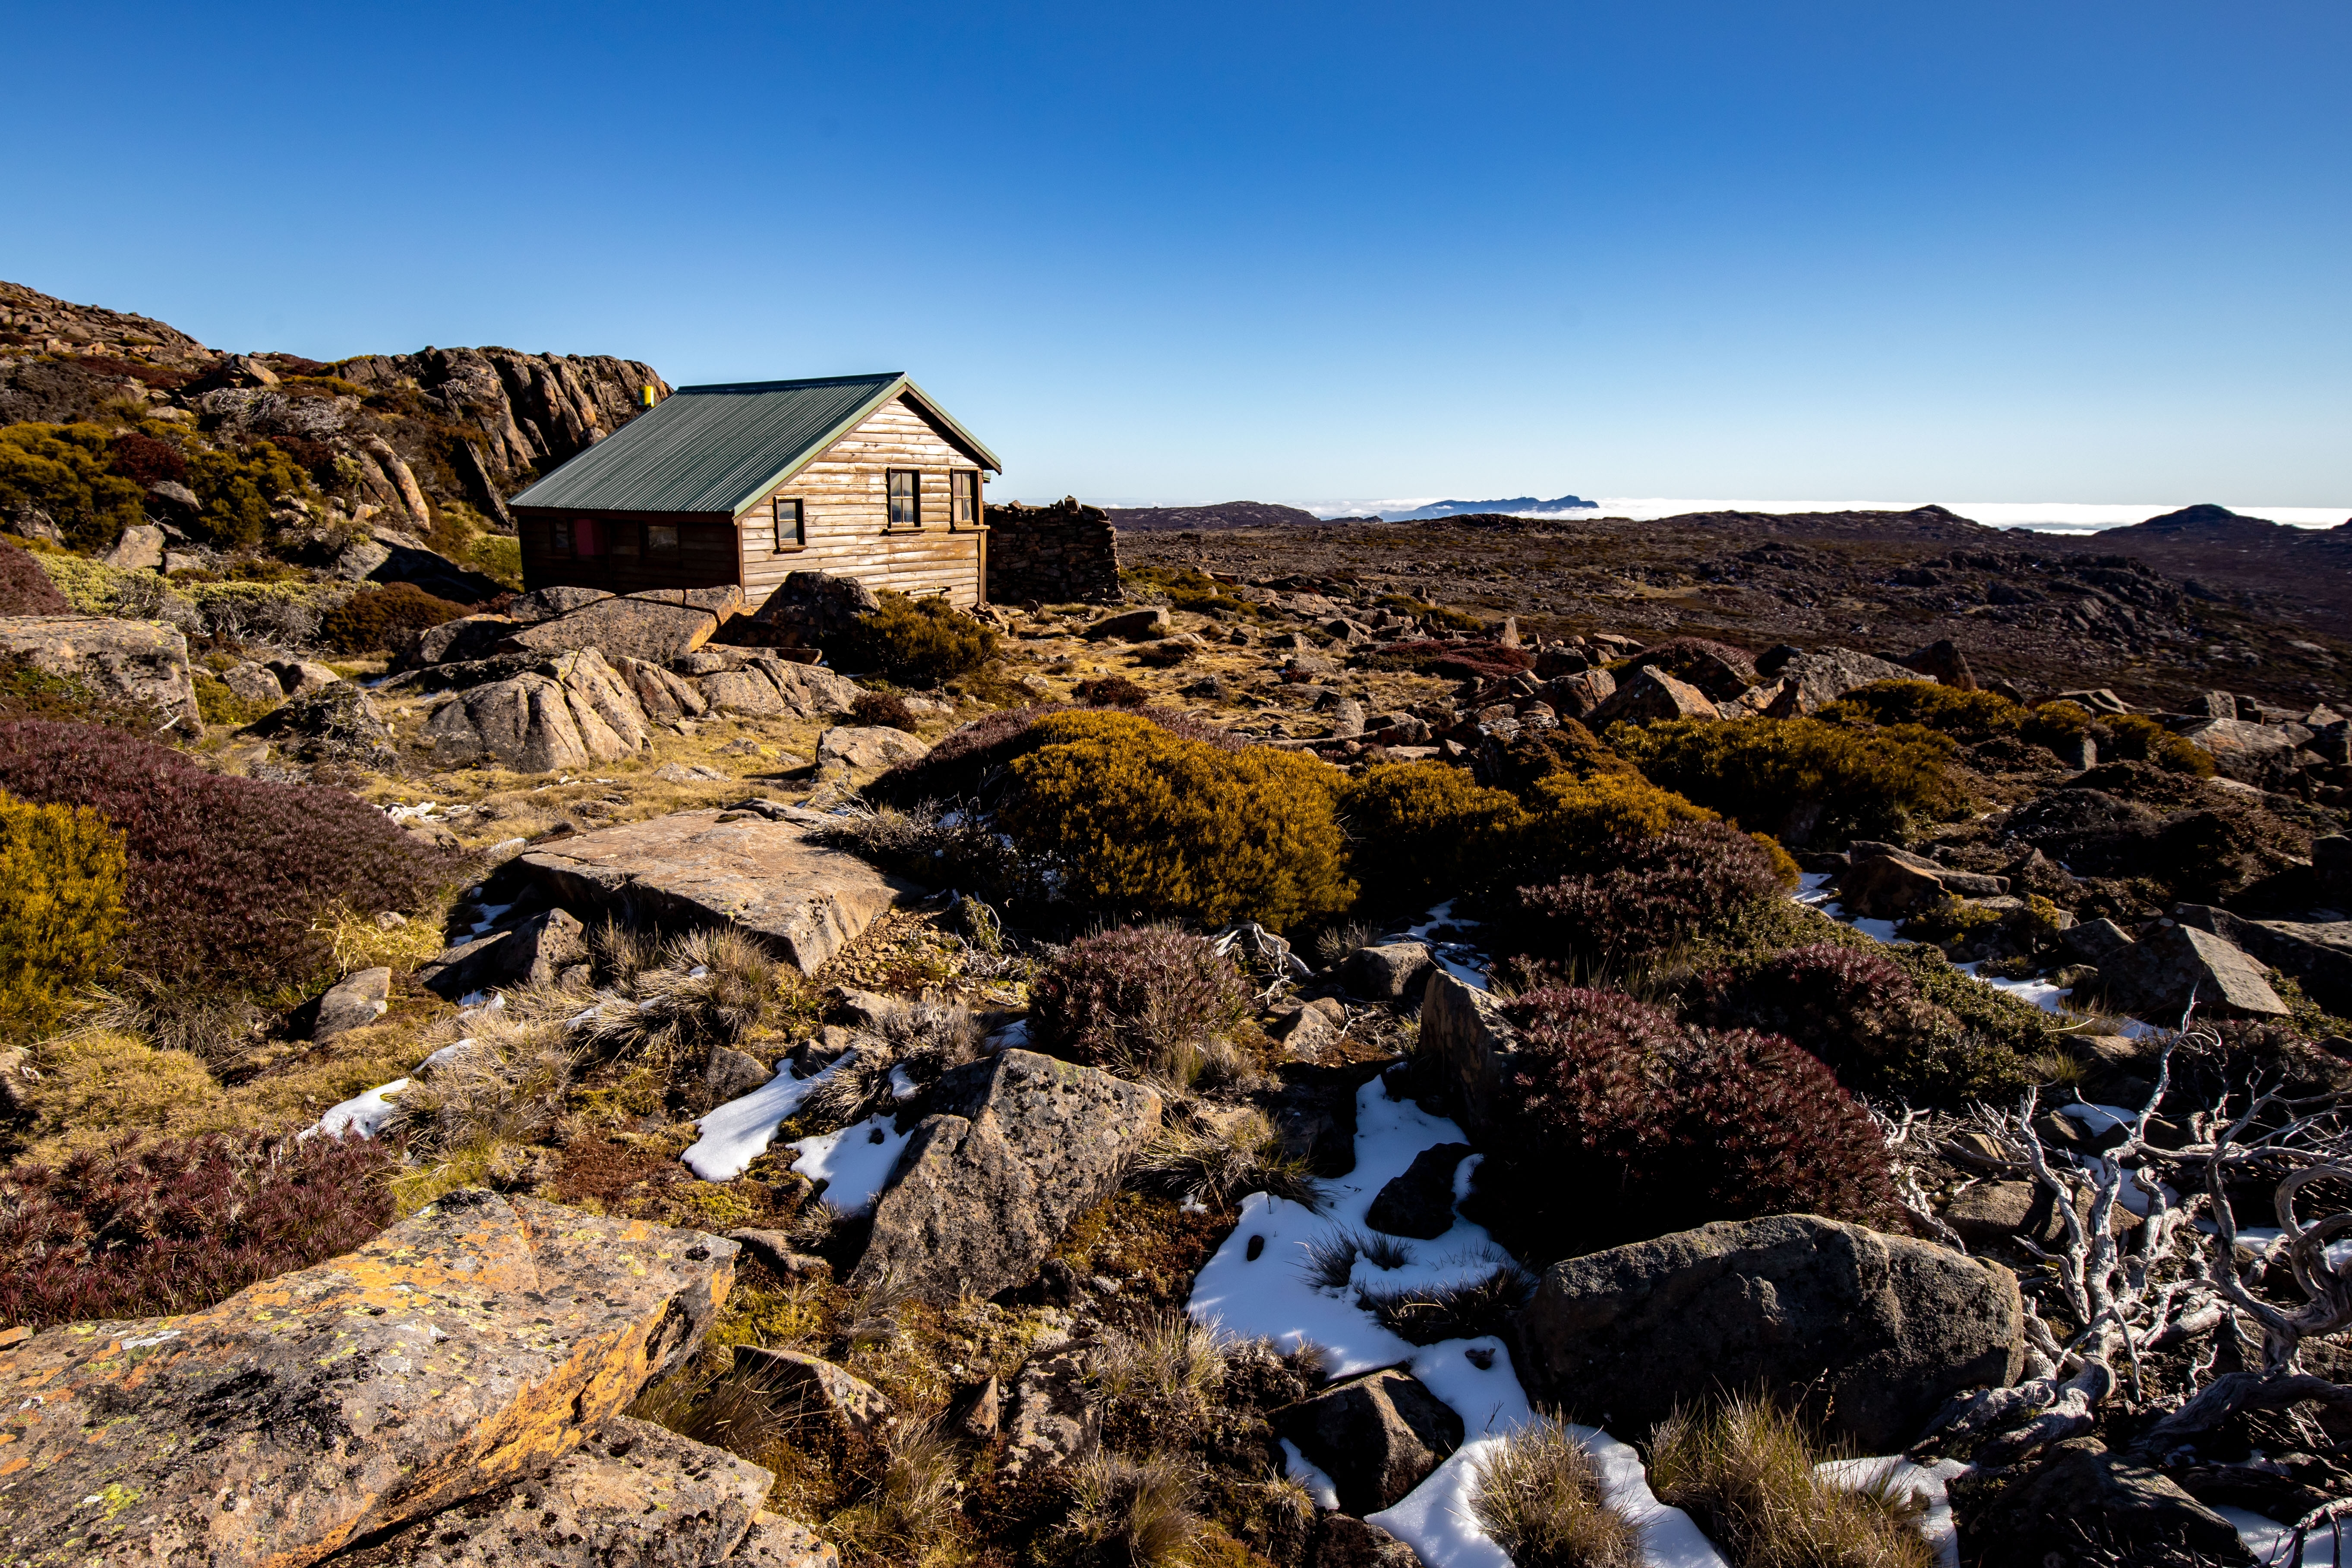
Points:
(61, 909)
(1147, 823)
(2055, 723)
(1802, 777)
(919, 642)
(237, 488)
(1946, 710)
(64, 470)
(1571, 813)
(2136, 737)
(1419, 829)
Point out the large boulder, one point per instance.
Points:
(810, 609)
(1132, 626)
(637, 626)
(2080, 1506)
(142, 663)
(2157, 976)
(533, 952)
(571, 712)
(1889, 887)
(1464, 1030)
(548, 604)
(766, 686)
(1017, 1147)
(140, 549)
(455, 642)
(475, 1343)
(632, 1493)
(1389, 970)
(867, 749)
(1648, 695)
(1821, 678)
(2317, 953)
(1871, 1334)
(665, 695)
(356, 1000)
(1377, 1436)
(713, 867)
(337, 723)
(2249, 753)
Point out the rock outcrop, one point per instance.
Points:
(734, 867)
(141, 664)
(1377, 1436)
(1464, 1028)
(1018, 1146)
(473, 1345)
(1870, 1332)
(574, 710)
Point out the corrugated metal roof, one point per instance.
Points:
(719, 449)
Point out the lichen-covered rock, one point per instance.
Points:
(867, 748)
(1054, 1417)
(1020, 1144)
(1389, 972)
(814, 1383)
(471, 1345)
(636, 627)
(1465, 1029)
(142, 663)
(737, 868)
(1870, 1332)
(1650, 695)
(535, 952)
(572, 711)
(356, 1000)
(633, 1495)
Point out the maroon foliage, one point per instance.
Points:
(1462, 661)
(1110, 999)
(1111, 691)
(145, 460)
(1859, 1012)
(25, 589)
(143, 1229)
(1624, 1124)
(225, 875)
(1652, 893)
(883, 709)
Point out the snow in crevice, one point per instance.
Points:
(364, 1114)
(1271, 1296)
(853, 1162)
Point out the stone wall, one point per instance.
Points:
(1057, 554)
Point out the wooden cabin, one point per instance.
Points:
(860, 475)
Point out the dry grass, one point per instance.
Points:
(1167, 1374)
(710, 986)
(1140, 1511)
(1216, 1165)
(912, 1041)
(1539, 1496)
(914, 1514)
(1746, 1473)
(1481, 1305)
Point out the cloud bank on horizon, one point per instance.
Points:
(2040, 517)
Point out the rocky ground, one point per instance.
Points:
(748, 1146)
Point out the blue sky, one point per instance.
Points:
(2091, 252)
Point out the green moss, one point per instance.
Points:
(216, 704)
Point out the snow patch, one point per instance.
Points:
(1306, 1473)
(1926, 1482)
(740, 1132)
(853, 1162)
(364, 1114)
(2272, 1543)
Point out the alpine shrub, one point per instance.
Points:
(60, 910)
(1645, 894)
(1422, 830)
(25, 589)
(224, 878)
(1530, 756)
(145, 460)
(1801, 778)
(1621, 1123)
(176, 1225)
(62, 469)
(1145, 821)
(919, 642)
(1577, 818)
(1946, 710)
(1866, 1018)
(2055, 723)
(385, 619)
(883, 709)
(1111, 691)
(236, 490)
(1122, 998)
(1462, 661)
(2139, 739)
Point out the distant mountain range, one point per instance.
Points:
(1508, 504)
(1220, 515)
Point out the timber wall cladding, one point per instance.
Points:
(846, 505)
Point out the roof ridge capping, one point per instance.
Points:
(875, 378)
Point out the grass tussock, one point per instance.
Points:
(914, 1511)
(705, 987)
(1540, 1497)
(1746, 1472)
(1215, 1166)
(1165, 1376)
(1483, 1304)
(1137, 1512)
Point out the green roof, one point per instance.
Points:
(720, 448)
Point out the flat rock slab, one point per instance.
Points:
(1872, 1332)
(634, 1495)
(1022, 1145)
(731, 868)
(471, 1345)
(639, 628)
